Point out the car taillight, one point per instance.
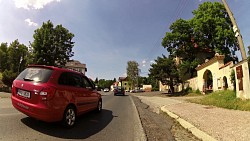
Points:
(47, 93)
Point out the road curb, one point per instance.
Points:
(194, 130)
(141, 135)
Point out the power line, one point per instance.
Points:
(180, 8)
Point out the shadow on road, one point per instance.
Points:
(86, 125)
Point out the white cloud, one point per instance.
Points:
(30, 23)
(32, 4)
(152, 61)
(144, 63)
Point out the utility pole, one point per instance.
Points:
(236, 31)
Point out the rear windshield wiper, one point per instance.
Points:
(27, 79)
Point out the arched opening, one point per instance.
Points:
(225, 84)
(207, 81)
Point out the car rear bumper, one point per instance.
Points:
(37, 111)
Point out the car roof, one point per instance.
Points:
(55, 68)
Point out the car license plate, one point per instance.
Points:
(23, 93)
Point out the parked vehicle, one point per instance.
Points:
(52, 94)
(119, 90)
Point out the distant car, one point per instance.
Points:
(106, 90)
(119, 91)
(52, 94)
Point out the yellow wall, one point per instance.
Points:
(216, 67)
(125, 85)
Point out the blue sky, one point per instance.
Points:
(108, 33)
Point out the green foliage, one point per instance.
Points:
(198, 91)
(8, 77)
(52, 45)
(188, 90)
(213, 28)
(187, 69)
(225, 99)
(96, 81)
(102, 83)
(13, 60)
(133, 72)
(3, 56)
(149, 81)
(233, 80)
(18, 56)
(165, 70)
(208, 32)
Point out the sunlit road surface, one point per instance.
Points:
(118, 122)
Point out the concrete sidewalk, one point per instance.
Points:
(206, 122)
(5, 95)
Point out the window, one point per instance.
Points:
(71, 79)
(86, 83)
(39, 75)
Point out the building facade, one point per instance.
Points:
(76, 66)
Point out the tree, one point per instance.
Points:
(3, 56)
(208, 32)
(52, 46)
(8, 77)
(18, 56)
(96, 81)
(149, 81)
(133, 72)
(213, 28)
(105, 83)
(165, 70)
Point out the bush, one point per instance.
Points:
(188, 90)
(5, 89)
(8, 77)
(155, 89)
(198, 91)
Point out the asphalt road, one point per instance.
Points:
(119, 121)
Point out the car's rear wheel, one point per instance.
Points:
(69, 117)
(99, 106)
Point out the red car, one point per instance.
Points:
(52, 94)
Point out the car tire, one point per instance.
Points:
(69, 117)
(99, 106)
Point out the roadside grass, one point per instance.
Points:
(224, 99)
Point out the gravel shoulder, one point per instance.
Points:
(221, 124)
(160, 127)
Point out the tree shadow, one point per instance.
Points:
(87, 125)
(176, 94)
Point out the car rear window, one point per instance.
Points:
(36, 74)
